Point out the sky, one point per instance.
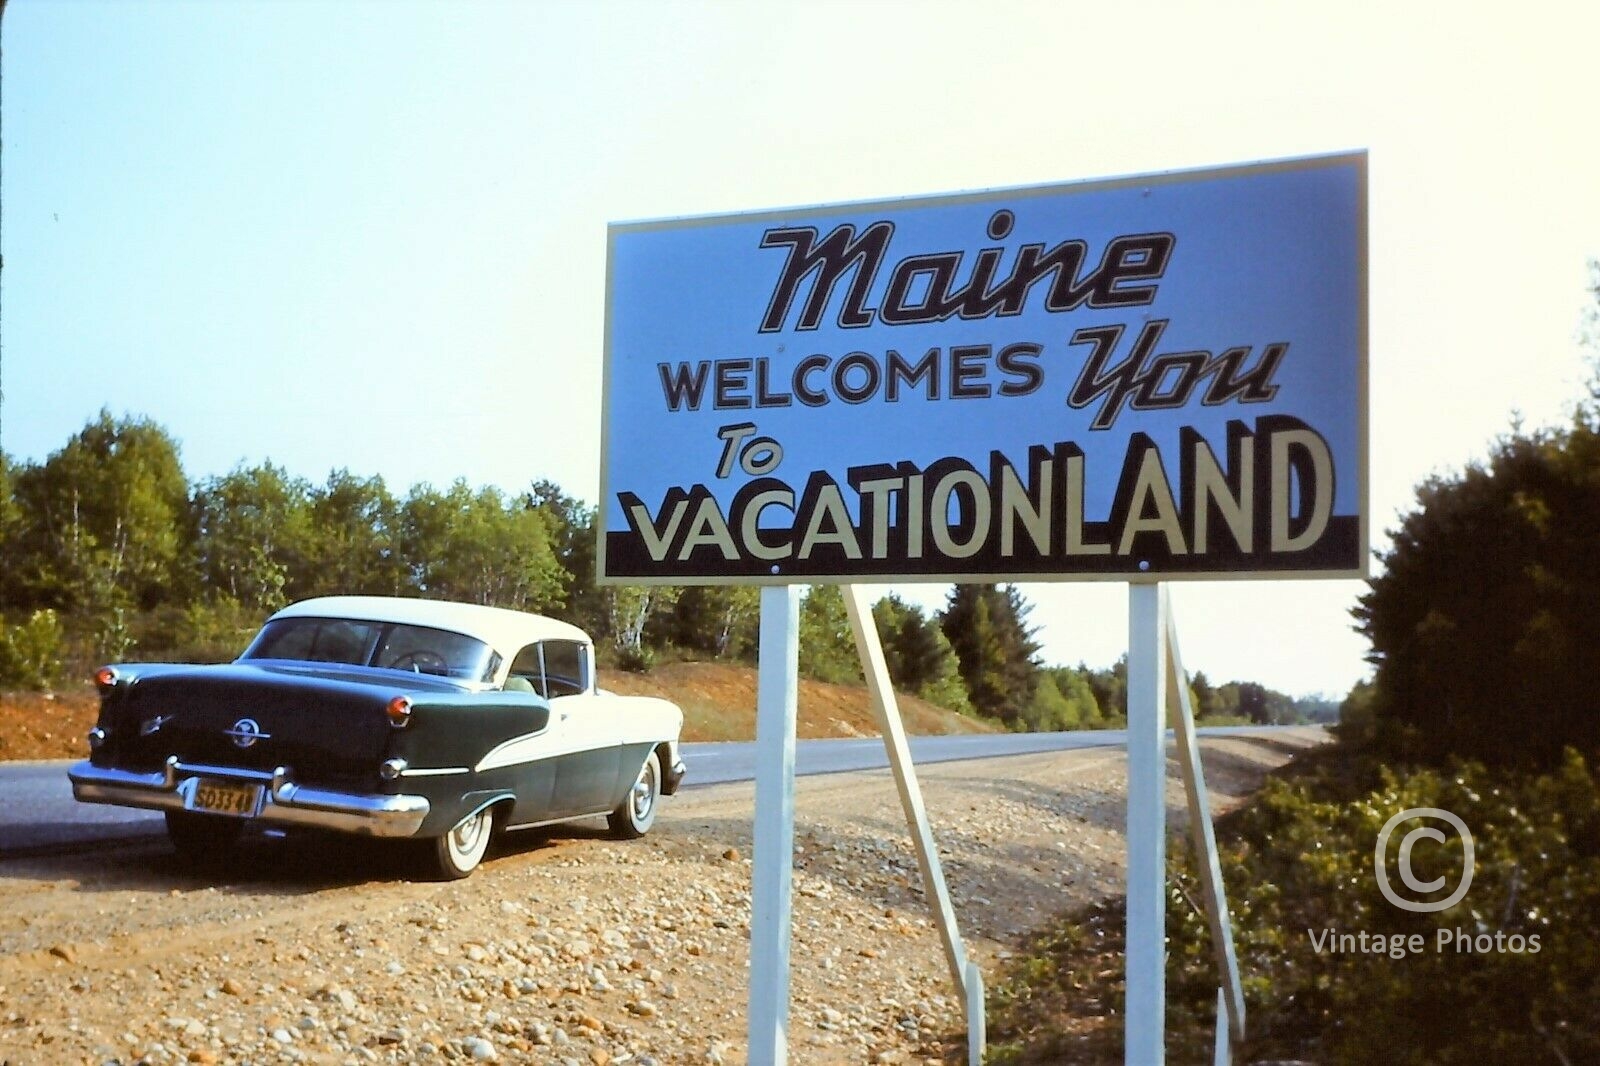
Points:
(372, 236)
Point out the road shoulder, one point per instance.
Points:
(571, 945)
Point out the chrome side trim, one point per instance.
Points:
(505, 797)
(435, 771)
(516, 751)
(283, 802)
(557, 821)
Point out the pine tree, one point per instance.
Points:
(918, 655)
(987, 627)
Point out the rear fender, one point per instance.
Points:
(457, 731)
(445, 740)
(445, 817)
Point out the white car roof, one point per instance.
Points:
(507, 632)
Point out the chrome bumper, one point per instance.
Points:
(674, 778)
(282, 802)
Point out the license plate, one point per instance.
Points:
(225, 797)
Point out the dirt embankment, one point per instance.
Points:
(718, 701)
(48, 725)
(568, 949)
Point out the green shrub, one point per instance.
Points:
(948, 692)
(31, 653)
(637, 660)
(1299, 863)
(215, 632)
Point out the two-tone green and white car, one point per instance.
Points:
(388, 717)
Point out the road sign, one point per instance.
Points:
(1156, 376)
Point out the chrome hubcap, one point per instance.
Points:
(644, 793)
(464, 837)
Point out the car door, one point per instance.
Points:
(586, 733)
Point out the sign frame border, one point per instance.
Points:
(1362, 572)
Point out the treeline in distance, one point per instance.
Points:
(111, 552)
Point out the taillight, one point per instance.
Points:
(399, 712)
(106, 677)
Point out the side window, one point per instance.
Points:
(553, 667)
(526, 667)
(566, 667)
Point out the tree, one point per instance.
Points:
(1063, 700)
(1356, 720)
(573, 537)
(1083, 709)
(253, 534)
(1484, 614)
(1253, 702)
(1048, 711)
(827, 645)
(352, 549)
(10, 529)
(479, 547)
(987, 627)
(918, 655)
(1228, 701)
(913, 645)
(98, 530)
(1207, 703)
(628, 610)
(98, 526)
(1110, 689)
(716, 620)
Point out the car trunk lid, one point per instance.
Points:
(326, 726)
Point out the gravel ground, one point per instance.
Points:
(567, 948)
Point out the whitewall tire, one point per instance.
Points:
(458, 852)
(637, 812)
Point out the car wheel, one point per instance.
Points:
(202, 836)
(458, 852)
(637, 812)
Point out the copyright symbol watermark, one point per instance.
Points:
(1407, 875)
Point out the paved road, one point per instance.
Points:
(37, 810)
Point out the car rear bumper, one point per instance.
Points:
(279, 801)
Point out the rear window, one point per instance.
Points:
(389, 645)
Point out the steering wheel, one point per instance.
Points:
(420, 661)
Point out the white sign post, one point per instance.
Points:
(1147, 827)
(1158, 688)
(773, 861)
(771, 891)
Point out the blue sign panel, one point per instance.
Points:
(1152, 377)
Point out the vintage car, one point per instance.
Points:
(438, 722)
